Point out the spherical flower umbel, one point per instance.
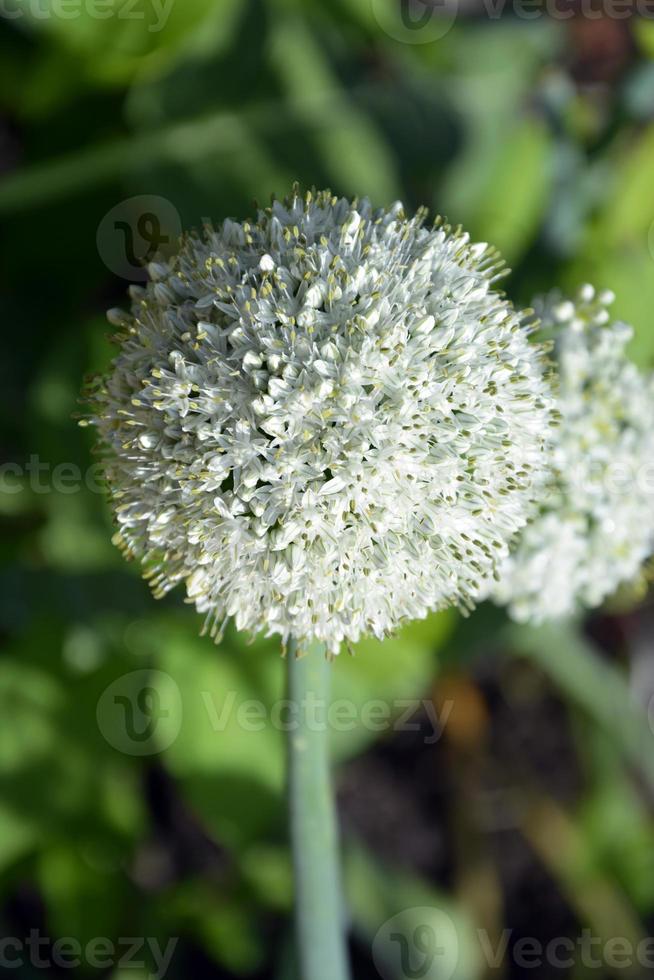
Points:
(596, 526)
(324, 421)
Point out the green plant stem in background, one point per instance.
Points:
(319, 912)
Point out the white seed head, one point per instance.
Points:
(324, 421)
(596, 526)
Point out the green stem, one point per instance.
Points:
(319, 914)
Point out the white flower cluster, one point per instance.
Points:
(325, 421)
(597, 523)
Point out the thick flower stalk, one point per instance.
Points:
(324, 421)
(596, 525)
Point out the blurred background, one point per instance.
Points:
(495, 783)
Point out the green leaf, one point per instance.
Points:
(628, 203)
(17, 837)
(356, 157)
(629, 272)
(82, 891)
(618, 251)
(29, 702)
(506, 203)
(592, 683)
(382, 681)
(644, 33)
(615, 823)
(114, 39)
(222, 918)
(385, 905)
(51, 746)
(555, 835)
(228, 757)
(230, 750)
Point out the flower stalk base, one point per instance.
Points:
(319, 912)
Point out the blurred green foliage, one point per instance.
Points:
(505, 126)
